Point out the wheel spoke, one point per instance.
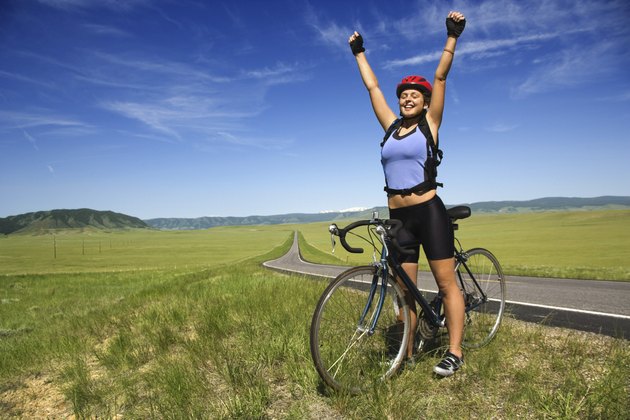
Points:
(482, 283)
(350, 357)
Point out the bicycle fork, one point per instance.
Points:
(370, 325)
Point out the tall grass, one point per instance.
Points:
(231, 341)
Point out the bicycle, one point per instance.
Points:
(361, 325)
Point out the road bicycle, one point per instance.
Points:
(361, 325)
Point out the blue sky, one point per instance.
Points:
(189, 108)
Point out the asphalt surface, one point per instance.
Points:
(588, 305)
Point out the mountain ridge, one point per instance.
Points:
(508, 206)
(50, 220)
(46, 221)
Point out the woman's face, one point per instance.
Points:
(411, 103)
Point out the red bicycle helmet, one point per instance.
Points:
(418, 83)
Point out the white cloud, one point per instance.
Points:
(30, 139)
(623, 96)
(280, 74)
(105, 30)
(151, 115)
(329, 32)
(118, 5)
(40, 119)
(501, 127)
(252, 141)
(26, 79)
(159, 67)
(475, 49)
(184, 102)
(569, 67)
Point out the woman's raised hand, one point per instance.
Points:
(356, 43)
(455, 23)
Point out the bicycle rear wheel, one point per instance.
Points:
(347, 357)
(482, 282)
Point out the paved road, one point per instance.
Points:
(588, 305)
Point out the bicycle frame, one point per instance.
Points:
(388, 260)
(383, 273)
(430, 314)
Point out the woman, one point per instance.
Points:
(411, 188)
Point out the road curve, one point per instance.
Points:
(588, 305)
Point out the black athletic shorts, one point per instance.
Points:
(425, 224)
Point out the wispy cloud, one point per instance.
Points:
(518, 18)
(279, 70)
(159, 66)
(30, 139)
(106, 30)
(501, 33)
(26, 79)
(185, 116)
(569, 67)
(501, 127)
(279, 74)
(254, 141)
(88, 4)
(328, 32)
(481, 48)
(40, 119)
(623, 96)
(155, 116)
(189, 103)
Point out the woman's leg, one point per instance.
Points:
(411, 269)
(444, 273)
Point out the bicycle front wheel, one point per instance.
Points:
(482, 282)
(347, 355)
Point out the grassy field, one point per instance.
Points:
(75, 251)
(188, 325)
(579, 244)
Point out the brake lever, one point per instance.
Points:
(333, 231)
(382, 233)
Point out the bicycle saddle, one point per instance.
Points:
(458, 212)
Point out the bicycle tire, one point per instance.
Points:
(346, 357)
(484, 318)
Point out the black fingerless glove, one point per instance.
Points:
(357, 45)
(455, 28)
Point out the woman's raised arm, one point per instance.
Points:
(455, 23)
(383, 112)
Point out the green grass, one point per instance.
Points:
(188, 325)
(578, 244)
(233, 343)
(75, 251)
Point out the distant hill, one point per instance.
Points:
(44, 221)
(541, 204)
(210, 221)
(552, 204)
